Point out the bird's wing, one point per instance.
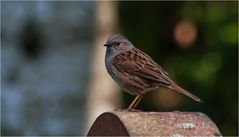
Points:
(135, 62)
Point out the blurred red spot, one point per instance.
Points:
(185, 34)
(166, 98)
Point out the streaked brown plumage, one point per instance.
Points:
(135, 71)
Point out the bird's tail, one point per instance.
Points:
(175, 87)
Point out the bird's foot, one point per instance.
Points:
(133, 110)
(128, 110)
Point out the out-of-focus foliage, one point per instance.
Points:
(197, 43)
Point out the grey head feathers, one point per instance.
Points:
(117, 44)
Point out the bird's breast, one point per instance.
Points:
(132, 84)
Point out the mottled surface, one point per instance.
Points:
(167, 123)
(45, 67)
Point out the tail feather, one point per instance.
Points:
(175, 87)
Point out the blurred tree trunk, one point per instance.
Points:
(103, 93)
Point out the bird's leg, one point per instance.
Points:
(131, 106)
(135, 102)
(138, 100)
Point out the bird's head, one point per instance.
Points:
(117, 44)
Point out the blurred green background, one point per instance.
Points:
(206, 63)
(47, 47)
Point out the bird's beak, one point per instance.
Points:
(107, 45)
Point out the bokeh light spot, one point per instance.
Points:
(211, 62)
(166, 98)
(207, 68)
(185, 34)
(229, 34)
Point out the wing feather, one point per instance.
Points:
(135, 62)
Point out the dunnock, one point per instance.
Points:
(135, 72)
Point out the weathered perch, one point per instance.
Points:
(174, 124)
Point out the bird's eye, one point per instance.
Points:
(117, 44)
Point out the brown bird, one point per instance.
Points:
(135, 72)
